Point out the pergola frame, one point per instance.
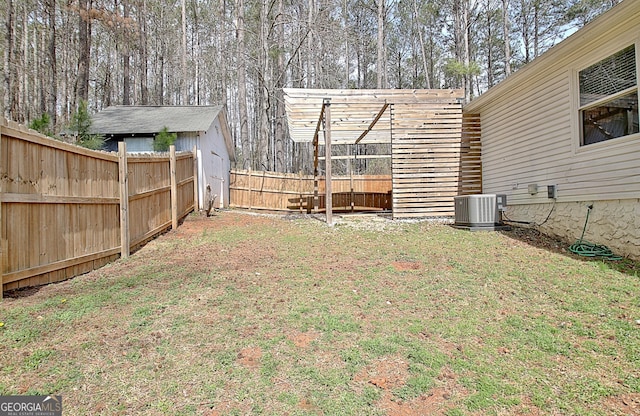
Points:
(324, 120)
(430, 157)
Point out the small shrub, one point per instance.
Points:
(81, 126)
(163, 140)
(42, 125)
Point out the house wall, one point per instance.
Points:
(530, 135)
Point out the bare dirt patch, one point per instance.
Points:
(406, 265)
(628, 404)
(386, 374)
(250, 357)
(428, 404)
(391, 374)
(302, 339)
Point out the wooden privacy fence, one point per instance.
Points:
(295, 192)
(65, 210)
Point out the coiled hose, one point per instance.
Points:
(584, 248)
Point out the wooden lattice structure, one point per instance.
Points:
(435, 153)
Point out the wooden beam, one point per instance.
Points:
(318, 124)
(373, 123)
(58, 265)
(327, 155)
(55, 199)
(352, 157)
(316, 146)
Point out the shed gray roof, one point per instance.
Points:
(124, 119)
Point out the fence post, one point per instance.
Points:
(250, 192)
(174, 187)
(196, 203)
(123, 173)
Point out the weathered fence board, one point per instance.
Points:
(61, 206)
(294, 192)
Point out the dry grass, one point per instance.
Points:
(239, 314)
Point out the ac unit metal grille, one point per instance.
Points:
(477, 210)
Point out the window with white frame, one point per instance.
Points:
(609, 98)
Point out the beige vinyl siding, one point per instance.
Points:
(522, 138)
(530, 131)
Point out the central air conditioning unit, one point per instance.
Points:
(480, 212)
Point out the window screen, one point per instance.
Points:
(609, 76)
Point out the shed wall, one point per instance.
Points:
(215, 164)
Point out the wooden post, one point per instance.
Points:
(250, 193)
(174, 187)
(300, 189)
(350, 168)
(123, 173)
(196, 203)
(327, 161)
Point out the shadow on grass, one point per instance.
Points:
(538, 239)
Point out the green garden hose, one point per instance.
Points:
(584, 248)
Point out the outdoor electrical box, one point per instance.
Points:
(552, 191)
(501, 202)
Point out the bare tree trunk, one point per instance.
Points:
(489, 44)
(381, 65)
(524, 31)
(42, 68)
(25, 111)
(84, 51)
(242, 87)
(536, 29)
(183, 81)
(142, 39)
(8, 61)
(423, 53)
(263, 147)
(466, 50)
(506, 36)
(126, 60)
(279, 135)
(310, 45)
(345, 26)
(163, 53)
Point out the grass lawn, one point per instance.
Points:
(240, 314)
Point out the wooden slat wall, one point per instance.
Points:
(471, 156)
(291, 192)
(60, 212)
(432, 160)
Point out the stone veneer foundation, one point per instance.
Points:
(614, 223)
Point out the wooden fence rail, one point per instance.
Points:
(295, 192)
(65, 210)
